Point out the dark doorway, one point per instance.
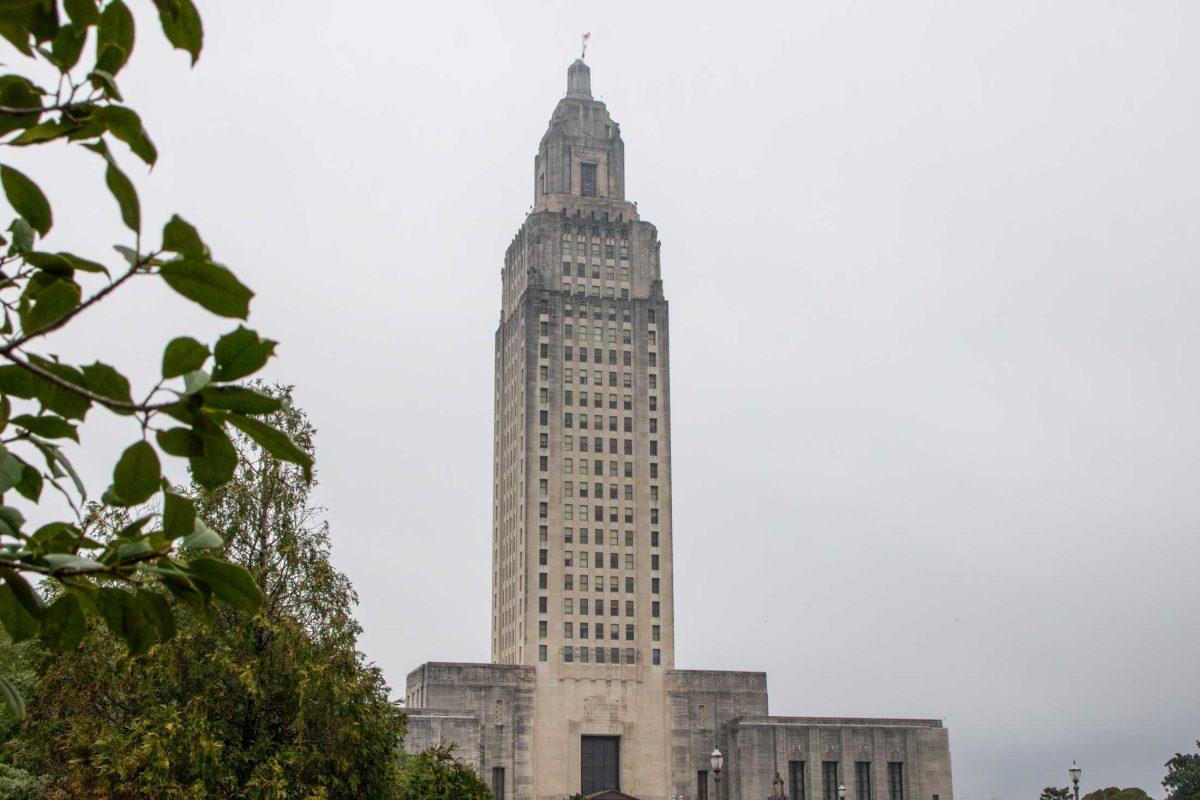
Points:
(600, 763)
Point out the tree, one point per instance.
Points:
(1113, 793)
(1054, 793)
(186, 415)
(435, 774)
(274, 707)
(1182, 781)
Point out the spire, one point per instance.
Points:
(579, 80)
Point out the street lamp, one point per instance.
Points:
(841, 791)
(716, 760)
(1075, 771)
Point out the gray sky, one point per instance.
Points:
(933, 277)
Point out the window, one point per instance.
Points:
(583, 630)
(542, 609)
(895, 780)
(587, 187)
(568, 654)
(542, 578)
(542, 557)
(656, 633)
(584, 653)
(654, 538)
(498, 772)
(862, 780)
(542, 652)
(568, 605)
(543, 627)
(568, 630)
(657, 657)
(568, 582)
(629, 608)
(654, 562)
(628, 633)
(796, 780)
(701, 782)
(829, 780)
(655, 608)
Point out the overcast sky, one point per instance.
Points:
(934, 287)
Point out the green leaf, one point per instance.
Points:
(157, 609)
(12, 698)
(215, 464)
(68, 45)
(107, 82)
(126, 125)
(26, 199)
(51, 262)
(115, 36)
(126, 618)
(19, 19)
(63, 402)
(18, 382)
(241, 353)
(82, 12)
(122, 189)
(63, 625)
(179, 236)
(11, 470)
(49, 427)
(181, 24)
(136, 475)
(179, 442)
(11, 521)
(16, 91)
(212, 286)
(29, 600)
(195, 380)
(19, 623)
(240, 399)
(229, 582)
(274, 442)
(179, 515)
(22, 233)
(46, 131)
(54, 537)
(202, 538)
(107, 382)
(63, 562)
(82, 264)
(31, 484)
(52, 304)
(182, 355)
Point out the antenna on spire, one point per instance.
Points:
(583, 54)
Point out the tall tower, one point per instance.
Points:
(581, 538)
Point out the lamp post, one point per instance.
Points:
(1075, 771)
(841, 791)
(716, 760)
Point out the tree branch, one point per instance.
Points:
(98, 399)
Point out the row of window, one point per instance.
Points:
(568, 511)
(614, 584)
(596, 468)
(597, 537)
(580, 271)
(614, 631)
(831, 778)
(600, 655)
(598, 401)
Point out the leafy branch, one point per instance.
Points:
(129, 580)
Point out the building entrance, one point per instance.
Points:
(600, 763)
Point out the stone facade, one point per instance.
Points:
(582, 540)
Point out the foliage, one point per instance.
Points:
(186, 415)
(275, 707)
(1113, 793)
(435, 774)
(17, 784)
(1182, 781)
(1055, 793)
